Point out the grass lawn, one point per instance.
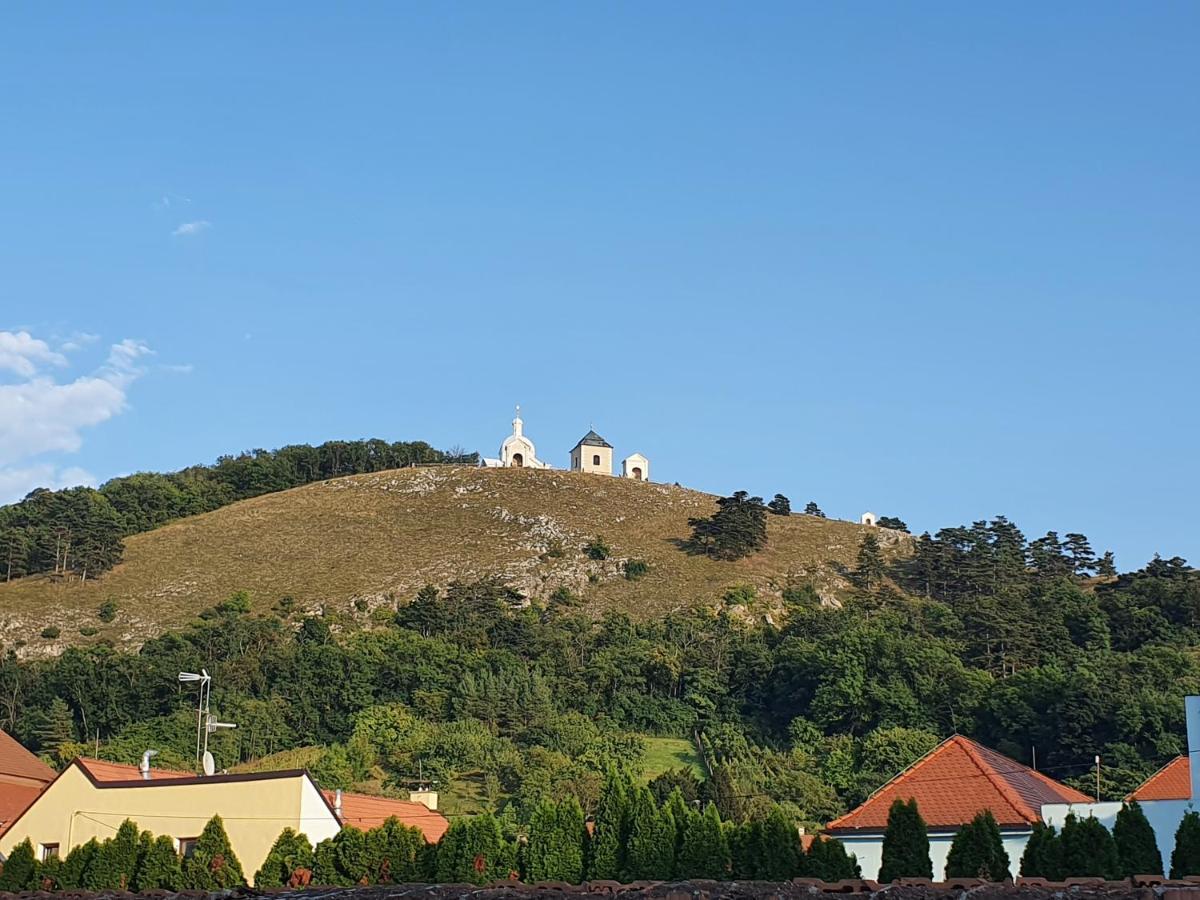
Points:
(670, 753)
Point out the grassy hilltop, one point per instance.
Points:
(377, 538)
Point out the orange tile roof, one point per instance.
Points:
(103, 770)
(14, 800)
(17, 762)
(957, 780)
(365, 812)
(1172, 782)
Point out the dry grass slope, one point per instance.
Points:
(380, 537)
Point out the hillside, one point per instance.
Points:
(378, 538)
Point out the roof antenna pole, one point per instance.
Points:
(1097, 778)
(1034, 766)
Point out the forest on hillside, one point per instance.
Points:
(981, 632)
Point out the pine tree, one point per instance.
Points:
(1079, 549)
(76, 868)
(610, 829)
(400, 851)
(1137, 848)
(743, 846)
(555, 848)
(158, 865)
(977, 851)
(870, 569)
(682, 815)
(1043, 854)
(19, 872)
(892, 523)
(116, 862)
(650, 851)
(905, 844)
(811, 509)
(212, 865)
(828, 860)
(778, 851)
(1088, 849)
(1107, 566)
(780, 505)
(474, 851)
(291, 851)
(1185, 858)
(55, 727)
(704, 852)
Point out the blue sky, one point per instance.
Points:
(934, 260)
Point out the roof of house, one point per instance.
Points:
(14, 800)
(364, 811)
(17, 762)
(957, 780)
(591, 439)
(103, 770)
(1172, 782)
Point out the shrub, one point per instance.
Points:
(107, 611)
(1088, 849)
(20, 870)
(977, 851)
(213, 865)
(828, 860)
(596, 549)
(636, 568)
(158, 868)
(50, 632)
(89, 631)
(905, 844)
(291, 851)
(1185, 858)
(1043, 854)
(1137, 848)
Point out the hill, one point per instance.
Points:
(357, 543)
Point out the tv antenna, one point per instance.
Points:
(206, 722)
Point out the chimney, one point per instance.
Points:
(337, 802)
(144, 766)
(428, 799)
(1191, 708)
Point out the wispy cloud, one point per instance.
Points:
(23, 354)
(190, 228)
(178, 368)
(169, 200)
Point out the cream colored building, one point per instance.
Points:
(517, 450)
(636, 466)
(90, 799)
(592, 454)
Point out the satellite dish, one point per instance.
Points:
(209, 766)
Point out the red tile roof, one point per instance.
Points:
(957, 780)
(19, 763)
(1172, 782)
(14, 800)
(365, 812)
(102, 770)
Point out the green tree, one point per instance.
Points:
(682, 815)
(77, 866)
(610, 830)
(811, 509)
(737, 529)
(705, 851)
(20, 871)
(474, 851)
(55, 727)
(778, 852)
(905, 844)
(1185, 858)
(158, 864)
(869, 570)
(780, 506)
(977, 851)
(556, 840)
(212, 865)
(116, 862)
(399, 850)
(290, 852)
(893, 523)
(1088, 849)
(1137, 848)
(828, 860)
(1043, 854)
(650, 853)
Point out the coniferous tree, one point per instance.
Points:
(650, 853)
(778, 852)
(1043, 854)
(291, 851)
(737, 529)
(1088, 849)
(1185, 858)
(55, 728)
(905, 844)
(870, 569)
(474, 851)
(780, 505)
(77, 866)
(893, 523)
(705, 851)
(977, 851)
(50, 874)
(828, 860)
(1137, 848)
(398, 851)
(20, 871)
(610, 829)
(743, 849)
(116, 862)
(554, 851)
(212, 865)
(811, 509)
(158, 864)
(326, 872)
(1107, 565)
(681, 814)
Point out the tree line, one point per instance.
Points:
(78, 532)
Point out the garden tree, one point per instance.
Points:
(55, 727)
(116, 862)
(905, 851)
(1043, 854)
(212, 865)
(811, 509)
(345, 859)
(650, 851)
(1185, 858)
(682, 815)
(704, 852)
(1088, 849)
(50, 874)
(610, 831)
(869, 570)
(1106, 565)
(158, 865)
(682, 780)
(780, 505)
(977, 851)
(893, 523)
(77, 866)
(474, 850)
(777, 855)
(737, 529)
(398, 851)
(19, 872)
(828, 860)
(290, 852)
(556, 841)
(1137, 848)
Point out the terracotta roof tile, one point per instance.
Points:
(365, 812)
(1172, 782)
(957, 780)
(14, 800)
(18, 762)
(102, 770)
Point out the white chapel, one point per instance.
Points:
(592, 454)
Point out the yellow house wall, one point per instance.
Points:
(72, 811)
(581, 459)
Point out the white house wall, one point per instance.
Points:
(316, 821)
(868, 850)
(1163, 815)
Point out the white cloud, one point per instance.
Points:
(179, 368)
(22, 353)
(77, 341)
(41, 416)
(190, 228)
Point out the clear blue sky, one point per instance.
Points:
(935, 260)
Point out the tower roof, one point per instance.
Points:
(591, 439)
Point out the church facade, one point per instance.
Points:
(593, 454)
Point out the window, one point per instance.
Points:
(187, 846)
(595, 459)
(49, 851)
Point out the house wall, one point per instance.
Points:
(636, 461)
(73, 810)
(868, 849)
(1164, 817)
(581, 459)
